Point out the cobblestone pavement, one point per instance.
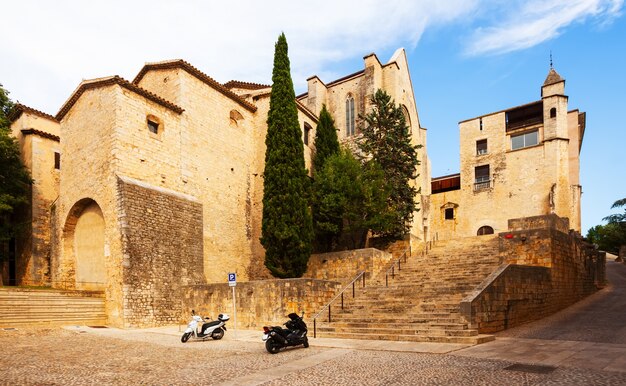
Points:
(90, 356)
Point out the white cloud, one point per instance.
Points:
(55, 44)
(528, 23)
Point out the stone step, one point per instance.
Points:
(408, 330)
(470, 340)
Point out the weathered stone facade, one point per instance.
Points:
(519, 162)
(545, 270)
(161, 184)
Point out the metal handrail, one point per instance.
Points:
(393, 265)
(352, 283)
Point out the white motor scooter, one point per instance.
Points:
(209, 329)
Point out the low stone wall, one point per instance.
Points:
(545, 271)
(259, 303)
(345, 265)
(550, 221)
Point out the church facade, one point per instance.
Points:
(142, 187)
(147, 186)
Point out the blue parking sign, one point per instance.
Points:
(232, 279)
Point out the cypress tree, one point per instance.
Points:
(387, 140)
(286, 228)
(326, 145)
(326, 142)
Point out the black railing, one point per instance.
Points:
(352, 284)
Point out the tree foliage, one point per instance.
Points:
(386, 139)
(611, 236)
(326, 225)
(326, 142)
(14, 177)
(287, 230)
(350, 198)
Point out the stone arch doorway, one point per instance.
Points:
(84, 244)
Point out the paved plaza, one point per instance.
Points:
(583, 345)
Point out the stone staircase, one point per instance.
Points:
(27, 307)
(421, 301)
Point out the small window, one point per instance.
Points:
(484, 230)
(524, 140)
(307, 133)
(481, 124)
(57, 160)
(481, 147)
(449, 213)
(553, 112)
(350, 118)
(153, 127)
(482, 180)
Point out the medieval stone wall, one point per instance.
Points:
(344, 266)
(37, 150)
(162, 248)
(259, 303)
(545, 271)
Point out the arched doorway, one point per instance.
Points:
(84, 241)
(484, 230)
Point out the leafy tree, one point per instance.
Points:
(14, 178)
(619, 217)
(326, 145)
(611, 236)
(608, 237)
(287, 230)
(351, 199)
(326, 142)
(386, 139)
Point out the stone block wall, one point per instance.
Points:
(259, 303)
(162, 252)
(545, 271)
(345, 265)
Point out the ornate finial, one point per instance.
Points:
(551, 67)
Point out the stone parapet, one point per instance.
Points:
(343, 266)
(259, 303)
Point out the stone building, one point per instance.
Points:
(515, 163)
(144, 187)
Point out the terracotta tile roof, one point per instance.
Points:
(179, 63)
(19, 108)
(245, 85)
(306, 111)
(41, 134)
(102, 82)
(299, 105)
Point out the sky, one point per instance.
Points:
(466, 57)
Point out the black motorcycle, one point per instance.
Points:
(277, 338)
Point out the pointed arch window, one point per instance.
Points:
(350, 118)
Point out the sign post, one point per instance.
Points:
(232, 282)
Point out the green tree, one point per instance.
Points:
(351, 199)
(14, 178)
(611, 236)
(326, 144)
(287, 230)
(386, 139)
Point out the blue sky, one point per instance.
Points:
(467, 57)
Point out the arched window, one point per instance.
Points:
(307, 133)
(553, 112)
(350, 118)
(407, 118)
(484, 230)
(235, 118)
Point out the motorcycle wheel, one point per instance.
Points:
(306, 343)
(272, 346)
(185, 337)
(218, 334)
